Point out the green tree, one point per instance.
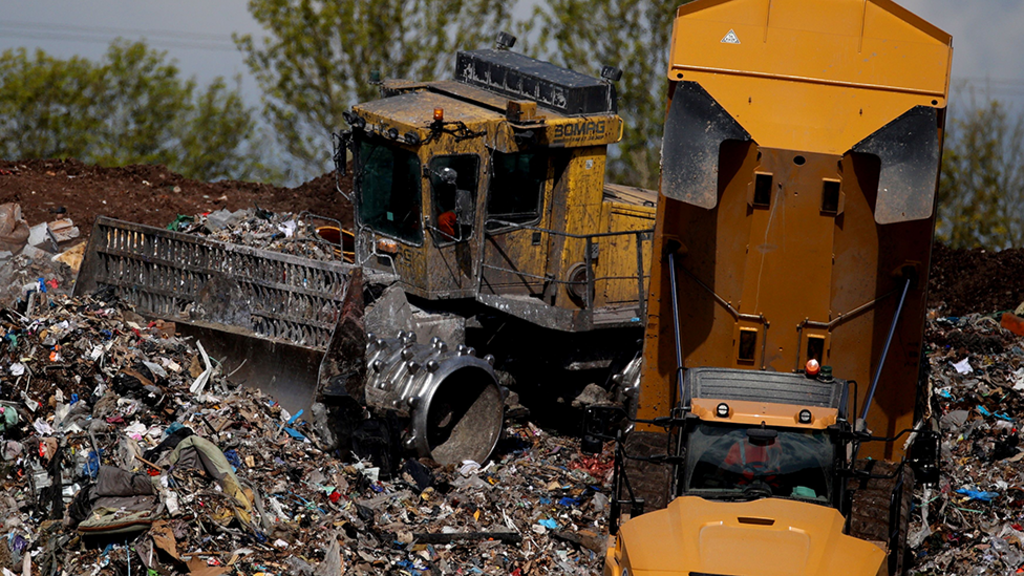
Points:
(48, 107)
(981, 188)
(633, 35)
(317, 56)
(131, 107)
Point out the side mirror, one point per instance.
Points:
(342, 144)
(762, 434)
(599, 423)
(924, 456)
(591, 445)
(448, 176)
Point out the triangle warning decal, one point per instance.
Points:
(730, 38)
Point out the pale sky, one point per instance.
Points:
(987, 42)
(988, 39)
(196, 33)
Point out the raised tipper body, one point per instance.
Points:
(800, 161)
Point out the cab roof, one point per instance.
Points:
(764, 386)
(416, 109)
(520, 77)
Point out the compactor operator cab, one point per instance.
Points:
(490, 183)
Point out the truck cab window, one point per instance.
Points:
(453, 184)
(722, 462)
(516, 189)
(388, 189)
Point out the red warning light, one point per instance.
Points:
(813, 367)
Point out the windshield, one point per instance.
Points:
(516, 189)
(722, 462)
(388, 187)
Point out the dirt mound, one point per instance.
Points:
(153, 195)
(962, 281)
(966, 281)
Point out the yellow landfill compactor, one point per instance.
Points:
(782, 417)
(485, 196)
(483, 199)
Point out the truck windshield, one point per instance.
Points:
(388, 187)
(722, 462)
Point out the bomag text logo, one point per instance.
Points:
(582, 131)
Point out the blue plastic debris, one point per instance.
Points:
(91, 468)
(233, 458)
(978, 495)
(567, 502)
(549, 524)
(985, 412)
(295, 433)
(18, 544)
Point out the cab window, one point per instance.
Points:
(453, 186)
(389, 190)
(516, 190)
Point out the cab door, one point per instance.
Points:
(515, 252)
(453, 224)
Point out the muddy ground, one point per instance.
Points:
(150, 195)
(968, 281)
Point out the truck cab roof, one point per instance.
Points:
(760, 396)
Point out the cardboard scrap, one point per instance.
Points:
(198, 567)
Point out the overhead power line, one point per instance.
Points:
(1012, 88)
(105, 34)
(114, 30)
(999, 81)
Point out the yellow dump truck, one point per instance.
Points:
(781, 416)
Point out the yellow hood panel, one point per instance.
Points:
(768, 537)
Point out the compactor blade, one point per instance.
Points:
(268, 318)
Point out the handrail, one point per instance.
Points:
(588, 256)
(566, 234)
(555, 280)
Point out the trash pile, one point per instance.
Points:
(43, 258)
(126, 448)
(972, 522)
(305, 234)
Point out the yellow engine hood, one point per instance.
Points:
(768, 537)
